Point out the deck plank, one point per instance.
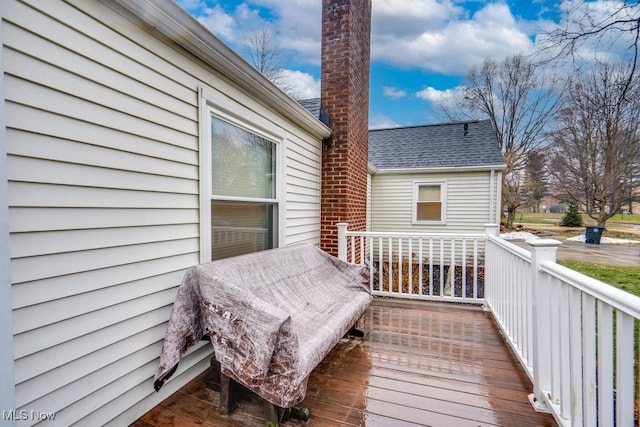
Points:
(419, 364)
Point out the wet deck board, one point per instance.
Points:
(419, 364)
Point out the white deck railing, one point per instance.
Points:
(428, 266)
(575, 336)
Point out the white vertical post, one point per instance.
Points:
(491, 229)
(489, 278)
(342, 240)
(542, 250)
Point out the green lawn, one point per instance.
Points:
(625, 278)
(551, 218)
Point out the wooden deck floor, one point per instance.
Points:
(420, 364)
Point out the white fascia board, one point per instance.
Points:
(169, 20)
(486, 168)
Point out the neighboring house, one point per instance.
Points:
(435, 178)
(551, 204)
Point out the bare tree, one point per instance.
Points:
(596, 150)
(597, 28)
(519, 98)
(535, 179)
(262, 50)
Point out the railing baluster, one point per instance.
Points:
(464, 268)
(380, 265)
(390, 265)
(353, 248)
(441, 266)
(475, 268)
(452, 268)
(410, 266)
(624, 363)
(575, 330)
(554, 315)
(605, 364)
(431, 267)
(589, 360)
(421, 268)
(400, 290)
(371, 273)
(565, 352)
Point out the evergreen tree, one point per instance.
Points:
(572, 218)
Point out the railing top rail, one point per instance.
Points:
(510, 247)
(613, 296)
(416, 235)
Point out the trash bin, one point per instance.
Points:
(593, 234)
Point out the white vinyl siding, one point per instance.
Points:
(104, 204)
(467, 202)
(7, 393)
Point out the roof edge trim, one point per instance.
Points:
(168, 19)
(483, 168)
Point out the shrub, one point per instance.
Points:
(572, 218)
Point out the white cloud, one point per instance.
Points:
(380, 121)
(298, 24)
(433, 35)
(439, 96)
(218, 22)
(454, 44)
(392, 92)
(300, 85)
(408, 18)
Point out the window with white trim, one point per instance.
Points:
(429, 202)
(244, 199)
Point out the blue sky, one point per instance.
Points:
(420, 49)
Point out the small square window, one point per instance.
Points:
(429, 202)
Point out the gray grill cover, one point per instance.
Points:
(272, 316)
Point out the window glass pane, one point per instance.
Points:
(429, 211)
(242, 164)
(239, 228)
(429, 193)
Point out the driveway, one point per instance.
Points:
(605, 254)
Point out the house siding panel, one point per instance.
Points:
(467, 211)
(102, 123)
(467, 202)
(302, 191)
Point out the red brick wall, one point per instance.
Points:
(346, 30)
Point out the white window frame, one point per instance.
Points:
(443, 201)
(224, 108)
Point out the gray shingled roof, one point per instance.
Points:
(435, 146)
(429, 146)
(312, 105)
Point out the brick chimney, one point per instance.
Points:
(344, 95)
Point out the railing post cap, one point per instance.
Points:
(544, 243)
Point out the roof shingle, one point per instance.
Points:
(442, 145)
(435, 146)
